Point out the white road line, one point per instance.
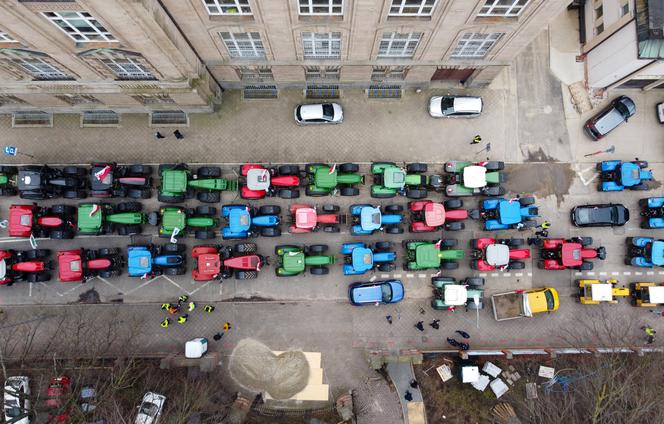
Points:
(384, 275)
(482, 274)
(507, 274)
(141, 286)
(591, 272)
(397, 275)
(494, 274)
(530, 274)
(30, 289)
(204, 285)
(71, 289)
(660, 272)
(615, 273)
(578, 273)
(650, 273)
(602, 273)
(373, 278)
(103, 280)
(627, 273)
(410, 275)
(638, 273)
(422, 275)
(518, 274)
(174, 283)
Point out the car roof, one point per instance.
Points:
(311, 111)
(467, 104)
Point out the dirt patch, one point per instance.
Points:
(537, 155)
(541, 179)
(90, 296)
(250, 299)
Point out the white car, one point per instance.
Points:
(455, 106)
(150, 409)
(17, 389)
(321, 113)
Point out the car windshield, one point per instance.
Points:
(328, 111)
(297, 113)
(12, 411)
(386, 290)
(549, 300)
(622, 109)
(149, 409)
(447, 105)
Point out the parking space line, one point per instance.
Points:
(661, 272)
(30, 289)
(578, 273)
(518, 274)
(530, 274)
(482, 274)
(422, 275)
(142, 285)
(650, 273)
(410, 275)
(397, 275)
(494, 274)
(615, 273)
(384, 275)
(591, 272)
(638, 273)
(507, 274)
(602, 273)
(203, 286)
(103, 280)
(174, 283)
(627, 273)
(373, 278)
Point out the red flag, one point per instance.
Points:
(333, 168)
(95, 208)
(438, 243)
(103, 173)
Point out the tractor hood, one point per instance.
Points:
(306, 218)
(497, 254)
(434, 214)
(175, 180)
(509, 212)
(426, 256)
(90, 216)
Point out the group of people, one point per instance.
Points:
(182, 305)
(158, 135)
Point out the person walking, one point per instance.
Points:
(435, 324)
(420, 325)
(414, 384)
(218, 336)
(545, 225)
(158, 135)
(178, 134)
(165, 306)
(408, 396)
(389, 318)
(183, 298)
(173, 309)
(650, 334)
(463, 334)
(164, 323)
(183, 319)
(191, 307)
(227, 326)
(208, 308)
(476, 140)
(453, 342)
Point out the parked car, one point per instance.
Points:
(376, 292)
(604, 215)
(320, 113)
(57, 397)
(150, 409)
(618, 111)
(17, 404)
(455, 106)
(660, 112)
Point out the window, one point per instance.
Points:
(243, 44)
(508, 8)
(321, 7)
(384, 92)
(260, 92)
(321, 45)
(412, 7)
(80, 26)
(227, 7)
(169, 118)
(128, 69)
(39, 68)
(475, 45)
(389, 73)
(322, 73)
(153, 99)
(624, 10)
(599, 11)
(78, 99)
(32, 119)
(100, 118)
(599, 28)
(322, 91)
(6, 38)
(255, 73)
(394, 44)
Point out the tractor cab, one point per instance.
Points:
(428, 255)
(239, 220)
(362, 259)
(101, 177)
(325, 178)
(293, 262)
(175, 180)
(370, 218)
(647, 295)
(258, 179)
(70, 265)
(474, 176)
(497, 255)
(455, 295)
(139, 261)
(306, 218)
(209, 264)
(631, 174)
(594, 292)
(509, 212)
(394, 177)
(434, 214)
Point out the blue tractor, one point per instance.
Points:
(243, 221)
(503, 214)
(644, 252)
(360, 257)
(150, 260)
(367, 219)
(652, 209)
(616, 175)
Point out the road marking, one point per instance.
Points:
(142, 285)
(495, 274)
(397, 275)
(204, 285)
(384, 275)
(507, 274)
(30, 289)
(578, 273)
(661, 272)
(174, 283)
(373, 278)
(615, 273)
(583, 179)
(650, 273)
(591, 272)
(422, 275)
(410, 275)
(530, 274)
(103, 280)
(627, 273)
(638, 273)
(602, 273)
(519, 274)
(482, 274)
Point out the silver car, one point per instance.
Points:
(320, 113)
(17, 404)
(455, 106)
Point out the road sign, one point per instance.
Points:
(10, 150)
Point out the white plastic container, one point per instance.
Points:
(196, 348)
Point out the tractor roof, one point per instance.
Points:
(657, 253)
(426, 255)
(362, 259)
(293, 261)
(87, 219)
(497, 254)
(139, 260)
(601, 292)
(324, 179)
(434, 214)
(370, 218)
(306, 218)
(20, 220)
(175, 180)
(474, 176)
(394, 177)
(510, 212)
(209, 263)
(656, 294)
(258, 179)
(70, 265)
(3, 268)
(173, 218)
(455, 295)
(239, 220)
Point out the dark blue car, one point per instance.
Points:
(376, 292)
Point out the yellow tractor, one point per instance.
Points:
(647, 295)
(594, 292)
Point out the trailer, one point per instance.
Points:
(524, 303)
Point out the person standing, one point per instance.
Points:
(650, 334)
(164, 323)
(408, 396)
(158, 135)
(435, 324)
(227, 326)
(191, 307)
(178, 134)
(476, 140)
(420, 325)
(183, 298)
(183, 319)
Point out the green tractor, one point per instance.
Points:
(325, 179)
(390, 180)
(175, 221)
(8, 180)
(427, 254)
(293, 260)
(103, 218)
(178, 183)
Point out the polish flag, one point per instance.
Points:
(333, 168)
(174, 234)
(483, 163)
(438, 243)
(95, 208)
(103, 173)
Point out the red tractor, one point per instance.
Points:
(27, 265)
(80, 265)
(222, 262)
(503, 254)
(56, 222)
(573, 253)
(306, 219)
(259, 181)
(427, 216)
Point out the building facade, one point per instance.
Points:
(177, 56)
(623, 44)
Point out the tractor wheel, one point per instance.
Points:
(205, 234)
(173, 248)
(179, 198)
(62, 234)
(449, 265)
(349, 168)
(416, 168)
(269, 210)
(642, 164)
(448, 242)
(246, 275)
(205, 210)
(284, 247)
(288, 170)
(328, 208)
(128, 230)
(171, 271)
(416, 193)
(74, 171)
(208, 172)
(288, 193)
(37, 254)
(394, 208)
(40, 233)
(38, 277)
(453, 204)
(640, 187)
(209, 197)
(388, 195)
(139, 193)
(245, 248)
(585, 266)
(517, 265)
(454, 226)
(270, 231)
(515, 242)
(383, 245)
(8, 191)
(106, 251)
(310, 193)
(527, 201)
(585, 241)
(494, 165)
(394, 230)
(349, 191)
(107, 274)
(4, 169)
(319, 270)
(331, 229)
(129, 207)
(386, 267)
(142, 170)
(74, 194)
(318, 249)
(474, 281)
